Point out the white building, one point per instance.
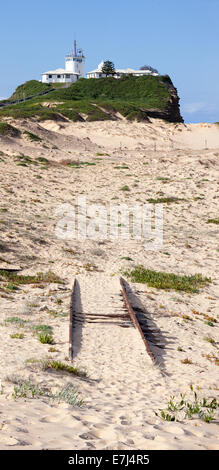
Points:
(97, 73)
(74, 69)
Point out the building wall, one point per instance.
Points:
(62, 78)
(75, 64)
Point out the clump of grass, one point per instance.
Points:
(98, 154)
(77, 163)
(60, 366)
(32, 137)
(90, 267)
(161, 280)
(163, 200)
(45, 338)
(213, 221)
(46, 329)
(209, 339)
(16, 320)
(28, 389)
(186, 361)
(212, 358)
(209, 323)
(69, 394)
(23, 160)
(52, 349)
(17, 336)
(122, 167)
(162, 178)
(12, 287)
(207, 317)
(196, 408)
(57, 314)
(43, 160)
(125, 188)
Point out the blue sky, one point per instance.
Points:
(176, 37)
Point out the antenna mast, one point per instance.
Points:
(75, 47)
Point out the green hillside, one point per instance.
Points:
(136, 98)
(148, 91)
(32, 87)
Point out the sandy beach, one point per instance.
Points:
(124, 389)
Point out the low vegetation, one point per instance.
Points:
(39, 278)
(29, 389)
(32, 137)
(189, 409)
(93, 100)
(69, 394)
(45, 338)
(213, 221)
(15, 320)
(17, 336)
(45, 329)
(164, 200)
(8, 130)
(167, 281)
(30, 88)
(60, 366)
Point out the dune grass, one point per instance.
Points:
(162, 280)
(164, 200)
(213, 221)
(19, 279)
(194, 407)
(8, 130)
(32, 137)
(60, 366)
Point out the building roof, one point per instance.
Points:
(59, 72)
(129, 70)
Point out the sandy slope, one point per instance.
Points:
(123, 388)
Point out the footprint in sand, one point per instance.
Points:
(87, 435)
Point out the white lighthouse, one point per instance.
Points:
(74, 69)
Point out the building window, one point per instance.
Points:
(58, 76)
(50, 76)
(67, 75)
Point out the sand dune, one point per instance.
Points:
(123, 388)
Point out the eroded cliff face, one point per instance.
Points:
(172, 111)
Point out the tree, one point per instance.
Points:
(108, 68)
(148, 67)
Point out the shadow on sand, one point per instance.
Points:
(77, 321)
(157, 342)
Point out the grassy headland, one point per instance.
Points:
(135, 98)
